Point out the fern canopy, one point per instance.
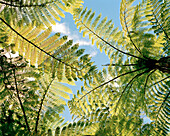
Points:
(34, 85)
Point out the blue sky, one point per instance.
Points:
(109, 8)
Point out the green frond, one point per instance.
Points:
(160, 97)
(83, 108)
(158, 16)
(100, 110)
(45, 43)
(137, 23)
(95, 28)
(42, 17)
(38, 11)
(57, 43)
(56, 8)
(79, 128)
(112, 101)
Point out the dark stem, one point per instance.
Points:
(159, 81)
(119, 65)
(163, 64)
(136, 76)
(22, 107)
(110, 44)
(109, 82)
(37, 46)
(41, 104)
(21, 6)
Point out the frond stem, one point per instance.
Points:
(22, 107)
(136, 76)
(109, 82)
(119, 65)
(37, 46)
(110, 44)
(41, 104)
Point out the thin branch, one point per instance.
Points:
(136, 76)
(109, 82)
(21, 6)
(37, 46)
(110, 44)
(119, 65)
(22, 107)
(159, 81)
(41, 104)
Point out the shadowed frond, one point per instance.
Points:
(122, 124)
(18, 88)
(159, 100)
(158, 15)
(42, 95)
(88, 106)
(138, 32)
(40, 12)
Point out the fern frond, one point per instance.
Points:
(59, 49)
(36, 48)
(159, 16)
(160, 97)
(102, 32)
(44, 100)
(126, 13)
(137, 25)
(38, 11)
(89, 107)
(79, 128)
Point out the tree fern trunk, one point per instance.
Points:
(163, 64)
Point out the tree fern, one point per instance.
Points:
(111, 101)
(147, 48)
